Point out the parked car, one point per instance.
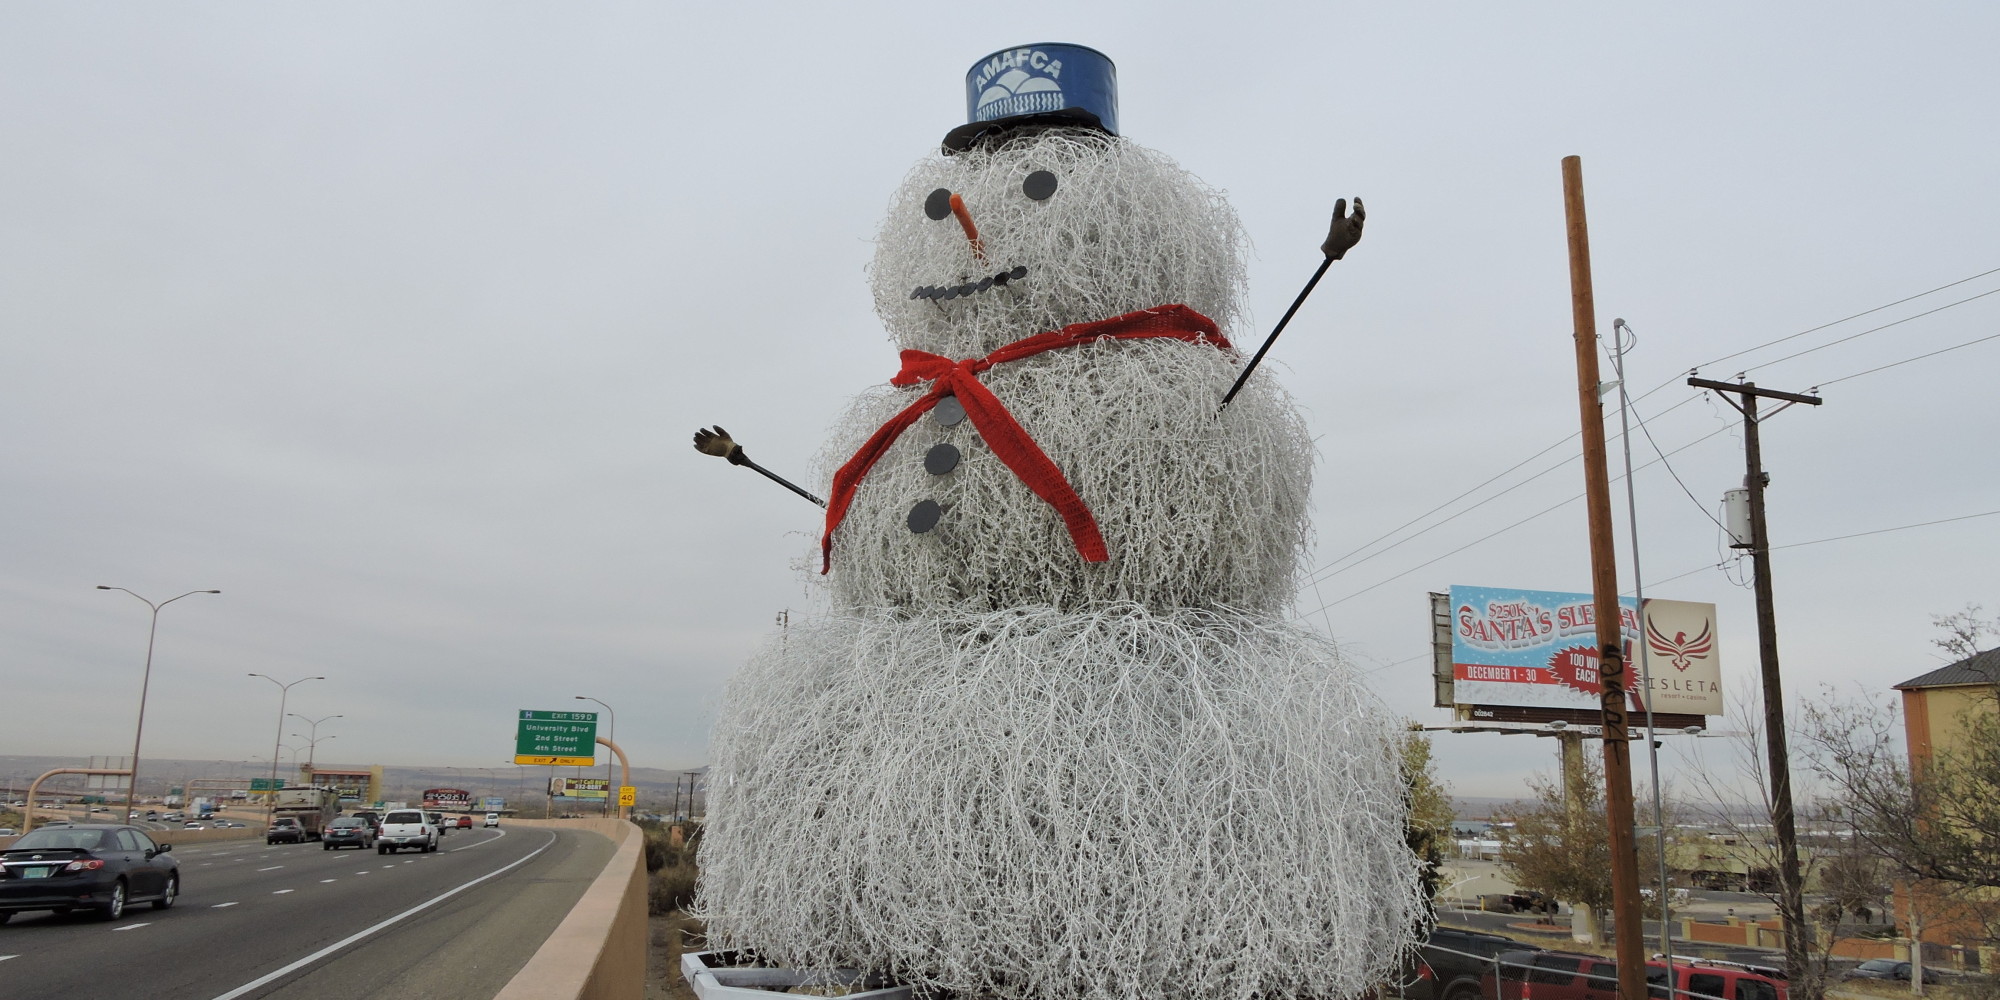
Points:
(1889, 968)
(1458, 958)
(407, 828)
(96, 866)
(347, 831)
(492, 819)
(285, 829)
(1562, 975)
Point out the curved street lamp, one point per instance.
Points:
(146, 681)
(313, 740)
(284, 690)
(610, 786)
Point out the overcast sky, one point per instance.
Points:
(392, 322)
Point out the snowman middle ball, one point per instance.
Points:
(1197, 509)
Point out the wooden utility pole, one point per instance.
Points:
(1791, 886)
(1625, 915)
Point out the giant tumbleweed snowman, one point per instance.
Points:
(1053, 736)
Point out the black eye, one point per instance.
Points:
(1039, 185)
(938, 205)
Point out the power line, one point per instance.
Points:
(1864, 333)
(1843, 319)
(1840, 538)
(1906, 361)
(1880, 531)
(1540, 513)
(1333, 568)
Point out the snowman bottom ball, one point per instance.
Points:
(1031, 803)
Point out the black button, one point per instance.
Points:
(948, 412)
(924, 516)
(938, 205)
(1018, 272)
(941, 459)
(1039, 185)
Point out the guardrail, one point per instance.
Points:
(607, 925)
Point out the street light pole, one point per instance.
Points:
(145, 682)
(312, 747)
(610, 786)
(313, 740)
(284, 690)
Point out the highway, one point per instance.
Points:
(293, 920)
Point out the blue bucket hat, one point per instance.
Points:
(1045, 85)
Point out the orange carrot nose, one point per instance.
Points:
(965, 222)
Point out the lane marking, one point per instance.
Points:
(131, 927)
(365, 932)
(271, 869)
(219, 906)
(497, 834)
(326, 880)
(3, 958)
(361, 873)
(281, 892)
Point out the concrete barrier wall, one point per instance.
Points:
(180, 837)
(608, 924)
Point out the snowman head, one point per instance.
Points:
(1072, 226)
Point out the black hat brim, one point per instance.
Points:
(962, 138)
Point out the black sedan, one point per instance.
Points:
(87, 866)
(347, 831)
(1890, 969)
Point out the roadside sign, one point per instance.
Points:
(266, 784)
(579, 788)
(628, 795)
(494, 804)
(560, 738)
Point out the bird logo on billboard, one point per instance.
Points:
(1681, 650)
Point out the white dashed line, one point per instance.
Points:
(3, 958)
(271, 869)
(132, 927)
(361, 873)
(281, 892)
(273, 976)
(326, 880)
(219, 906)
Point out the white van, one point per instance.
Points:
(492, 819)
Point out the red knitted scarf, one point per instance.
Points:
(997, 427)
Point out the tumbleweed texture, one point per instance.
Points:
(1028, 803)
(1197, 510)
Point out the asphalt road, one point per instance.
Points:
(298, 921)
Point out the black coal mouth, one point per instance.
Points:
(945, 293)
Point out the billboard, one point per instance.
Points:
(354, 784)
(1538, 649)
(447, 798)
(580, 788)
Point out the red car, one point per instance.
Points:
(465, 822)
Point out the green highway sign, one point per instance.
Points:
(266, 784)
(555, 738)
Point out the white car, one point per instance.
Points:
(492, 819)
(406, 828)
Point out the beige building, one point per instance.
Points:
(1936, 707)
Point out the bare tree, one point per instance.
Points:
(1735, 800)
(1965, 631)
(1557, 845)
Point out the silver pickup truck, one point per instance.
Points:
(406, 828)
